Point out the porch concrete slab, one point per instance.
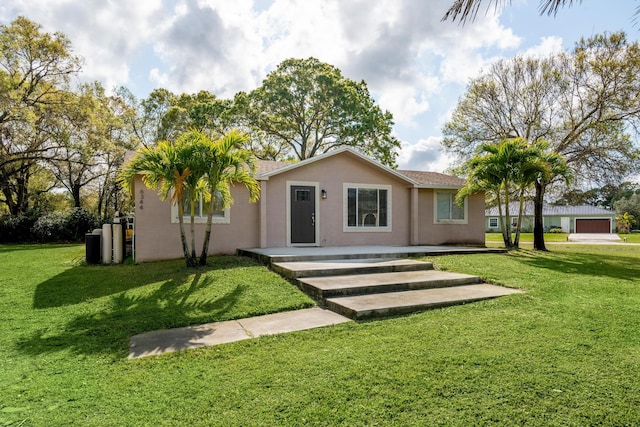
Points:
(377, 305)
(289, 254)
(171, 340)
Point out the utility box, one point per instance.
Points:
(92, 248)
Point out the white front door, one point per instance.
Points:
(565, 223)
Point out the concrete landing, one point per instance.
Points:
(171, 340)
(273, 255)
(339, 267)
(387, 304)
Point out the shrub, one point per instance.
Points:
(555, 230)
(79, 222)
(17, 229)
(14, 229)
(64, 226)
(50, 228)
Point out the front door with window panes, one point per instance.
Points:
(303, 214)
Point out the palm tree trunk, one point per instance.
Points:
(207, 237)
(192, 229)
(516, 242)
(508, 244)
(538, 226)
(183, 236)
(503, 228)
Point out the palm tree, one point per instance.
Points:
(226, 164)
(625, 222)
(468, 9)
(511, 166)
(490, 171)
(195, 167)
(557, 168)
(537, 164)
(165, 168)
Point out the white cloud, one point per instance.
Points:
(425, 155)
(415, 65)
(548, 46)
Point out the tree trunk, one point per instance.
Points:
(207, 237)
(503, 227)
(183, 237)
(516, 242)
(538, 226)
(192, 229)
(508, 244)
(8, 198)
(75, 193)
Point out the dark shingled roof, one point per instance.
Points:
(265, 166)
(433, 178)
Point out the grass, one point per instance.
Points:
(493, 238)
(567, 352)
(631, 238)
(527, 237)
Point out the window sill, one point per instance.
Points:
(202, 220)
(367, 229)
(451, 222)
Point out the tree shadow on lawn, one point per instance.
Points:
(85, 283)
(21, 247)
(108, 331)
(589, 264)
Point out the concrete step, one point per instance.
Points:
(321, 288)
(343, 267)
(389, 304)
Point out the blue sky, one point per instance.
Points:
(416, 66)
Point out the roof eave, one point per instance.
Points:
(439, 186)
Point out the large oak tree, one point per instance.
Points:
(306, 107)
(35, 71)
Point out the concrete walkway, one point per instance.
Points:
(170, 340)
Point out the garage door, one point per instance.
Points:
(593, 225)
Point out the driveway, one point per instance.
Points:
(594, 238)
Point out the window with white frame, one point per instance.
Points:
(493, 222)
(367, 207)
(202, 208)
(447, 211)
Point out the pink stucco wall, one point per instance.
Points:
(430, 233)
(157, 238)
(330, 173)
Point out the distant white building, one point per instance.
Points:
(571, 219)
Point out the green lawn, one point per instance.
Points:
(567, 352)
(493, 238)
(527, 237)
